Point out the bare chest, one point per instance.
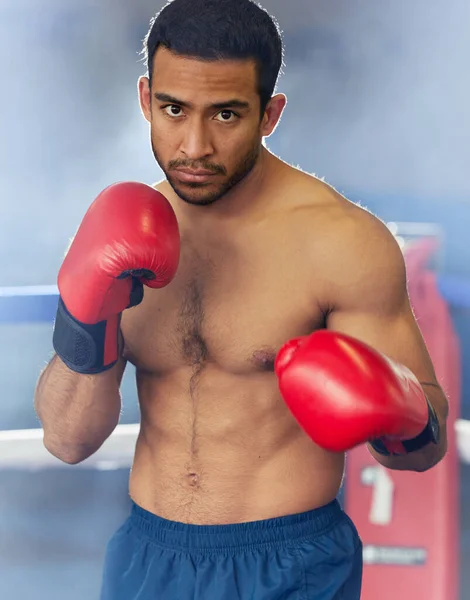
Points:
(234, 307)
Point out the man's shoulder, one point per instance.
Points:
(323, 207)
(348, 236)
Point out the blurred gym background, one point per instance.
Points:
(378, 106)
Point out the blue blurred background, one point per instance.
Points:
(378, 106)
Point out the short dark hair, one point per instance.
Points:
(217, 30)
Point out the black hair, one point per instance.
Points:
(217, 30)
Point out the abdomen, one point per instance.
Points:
(222, 448)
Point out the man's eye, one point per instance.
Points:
(226, 116)
(172, 110)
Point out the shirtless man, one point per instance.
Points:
(274, 334)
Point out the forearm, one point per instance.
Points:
(77, 412)
(430, 455)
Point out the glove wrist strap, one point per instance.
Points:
(430, 434)
(86, 349)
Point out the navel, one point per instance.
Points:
(193, 480)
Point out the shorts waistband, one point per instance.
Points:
(273, 532)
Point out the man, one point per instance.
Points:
(274, 334)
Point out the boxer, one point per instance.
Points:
(268, 321)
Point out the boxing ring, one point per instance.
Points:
(408, 521)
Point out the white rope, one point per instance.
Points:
(462, 430)
(29, 290)
(24, 449)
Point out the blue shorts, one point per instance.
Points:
(313, 555)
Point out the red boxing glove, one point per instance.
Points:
(128, 237)
(343, 393)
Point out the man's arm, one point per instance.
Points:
(369, 301)
(78, 412)
(128, 238)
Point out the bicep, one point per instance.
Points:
(370, 302)
(394, 333)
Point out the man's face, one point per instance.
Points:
(206, 130)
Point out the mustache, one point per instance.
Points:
(195, 165)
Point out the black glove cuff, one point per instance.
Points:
(429, 435)
(80, 346)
